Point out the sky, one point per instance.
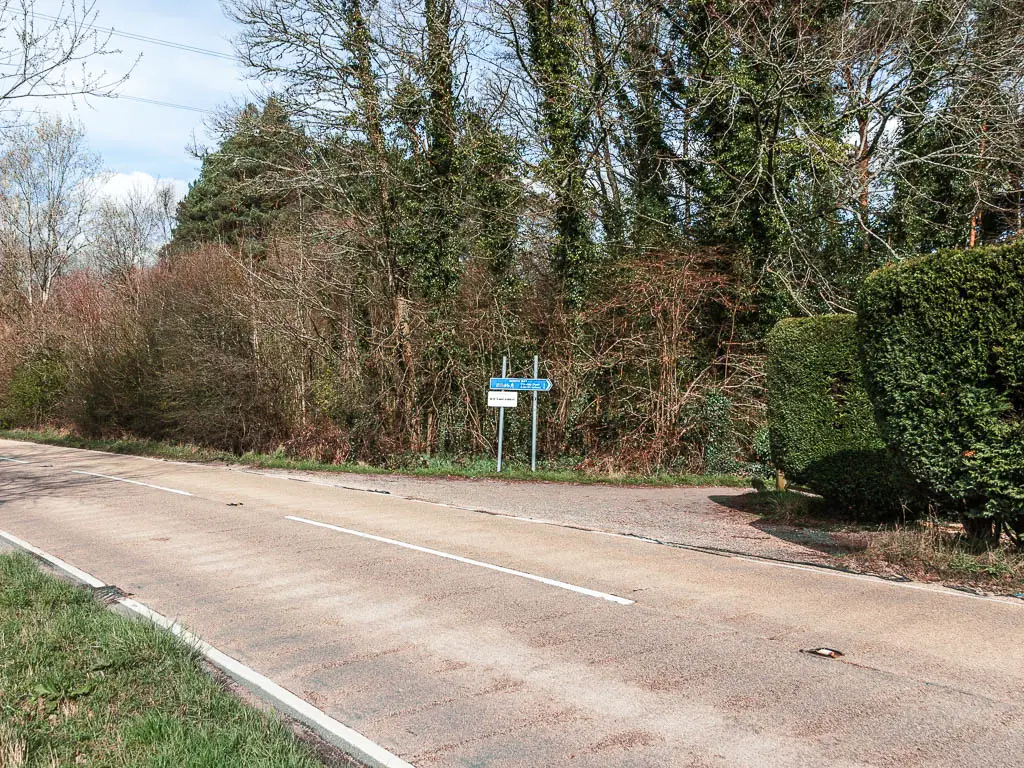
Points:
(142, 142)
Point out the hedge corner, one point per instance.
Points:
(943, 342)
(823, 431)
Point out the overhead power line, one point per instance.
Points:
(159, 103)
(145, 38)
(154, 41)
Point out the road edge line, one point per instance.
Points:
(335, 732)
(75, 573)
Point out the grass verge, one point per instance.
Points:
(80, 685)
(927, 550)
(935, 552)
(417, 467)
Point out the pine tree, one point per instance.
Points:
(238, 199)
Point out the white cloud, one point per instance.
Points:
(119, 186)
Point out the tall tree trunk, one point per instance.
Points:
(864, 169)
(652, 225)
(978, 213)
(442, 269)
(368, 94)
(553, 27)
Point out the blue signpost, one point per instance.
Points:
(522, 385)
(533, 385)
(501, 417)
(533, 439)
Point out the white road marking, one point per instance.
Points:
(467, 561)
(133, 482)
(810, 568)
(353, 742)
(356, 744)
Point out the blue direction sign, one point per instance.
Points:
(522, 385)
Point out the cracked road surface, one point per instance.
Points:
(456, 638)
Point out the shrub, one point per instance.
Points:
(714, 422)
(822, 428)
(113, 391)
(943, 339)
(35, 390)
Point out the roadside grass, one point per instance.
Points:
(414, 466)
(926, 550)
(931, 551)
(80, 685)
(789, 507)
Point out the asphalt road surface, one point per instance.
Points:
(457, 638)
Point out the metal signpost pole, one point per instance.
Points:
(504, 393)
(501, 412)
(533, 446)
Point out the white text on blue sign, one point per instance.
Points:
(522, 385)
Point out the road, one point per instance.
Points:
(719, 518)
(457, 638)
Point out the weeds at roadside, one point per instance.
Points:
(789, 507)
(927, 550)
(933, 551)
(434, 467)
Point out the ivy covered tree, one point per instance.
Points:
(648, 153)
(765, 127)
(554, 31)
(442, 208)
(493, 199)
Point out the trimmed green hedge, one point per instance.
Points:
(943, 340)
(823, 432)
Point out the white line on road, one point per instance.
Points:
(353, 742)
(772, 563)
(133, 482)
(467, 561)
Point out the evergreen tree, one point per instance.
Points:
(763, 120)
(493, 198)
(958, 167)
(241, 194)
(441, 267)
(653, 218)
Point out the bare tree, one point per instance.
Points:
(327, 58)
(47, 180)
(44, 55)
(832, 138)
(127, 233)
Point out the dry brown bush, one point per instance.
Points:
(291, 352)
